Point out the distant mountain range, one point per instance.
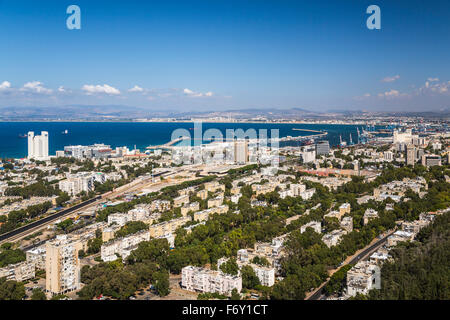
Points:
(120, 112)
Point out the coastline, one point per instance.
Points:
(187, 121)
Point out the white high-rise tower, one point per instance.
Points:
(38, 146)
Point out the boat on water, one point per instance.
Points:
(65, 131)
(23, 135)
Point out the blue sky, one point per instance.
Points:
(220, 55)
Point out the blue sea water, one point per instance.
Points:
(139, 134)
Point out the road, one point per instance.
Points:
(137, 184)
(318, 294)
(32, 227)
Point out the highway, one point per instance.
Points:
(36, 224)
(137, 184)
(318, 295)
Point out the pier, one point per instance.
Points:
(169, 144)
(308, 130)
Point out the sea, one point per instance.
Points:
(143, 134)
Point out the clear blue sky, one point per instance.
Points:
(212, 55)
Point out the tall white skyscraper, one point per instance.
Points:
(241, 151)
(38, 146)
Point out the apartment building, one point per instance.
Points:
(344, 208)
(81, 181)
(399, 236)
(62, 265)
(362, 278)
(241, 154)
(334, 214)
(396, 189)
(140, 213)
(38, 146)
(430, 160)
(18, 272)
(181, 200)
(297, 189)
(191, 227)
(333, 238)
(189, 207)
(37, 256)
(123, 246)
(369, 215)
(347, 224)
(213, 186)
(198, 279)
(205, 214)
(315, 225)
(187, 191)
(203, 194)
(160, 206)
(109, 233)
(265, 274)
(119, 219)
(307, 194)
(263, 188)
(379, 257)
(215, 202)
(163, 228)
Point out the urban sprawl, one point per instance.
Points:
(249, 220)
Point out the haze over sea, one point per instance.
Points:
(141, 134)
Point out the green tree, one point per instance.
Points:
(161, 283)
(235, 295)
(38, 294)
(11, 290)
(249, 278)
(230, 267)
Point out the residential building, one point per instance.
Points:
(369, 215)
(163, 228)
(347, 224)
(362, 278)
(344, 208)
(410, 155)
(18, 272)
(430, 160)
(307, 194)
(215, 202)
(62, 265)
(315, 225)
(123, 246)
(333, 238)
(160, 206)
(179, 201)
(308, 154)
(189, 207)
(323, 147)
(203, 280)
(399, 236)
(241, 155)
(38, 146)
(202, 194)
(37, 257)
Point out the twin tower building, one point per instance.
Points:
(38, 146)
